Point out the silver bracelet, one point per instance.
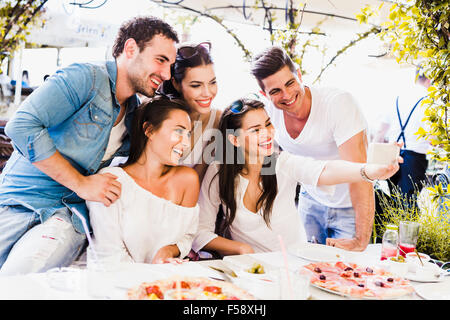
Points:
(364, 175)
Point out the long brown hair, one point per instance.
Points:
(231, 121)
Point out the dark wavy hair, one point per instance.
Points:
(231, 121)
(142, 29)
(150, 114)
(178, 69)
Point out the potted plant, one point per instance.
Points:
(434, 235)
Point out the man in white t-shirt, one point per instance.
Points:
(401, 124)
(323, 123)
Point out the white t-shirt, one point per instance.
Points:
(139, 223)
(335, 117)
(406, 101)
(115, 139)
(249, 227)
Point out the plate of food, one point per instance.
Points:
(249, 267)
(319, 253)
(357, 281)
(188, 288)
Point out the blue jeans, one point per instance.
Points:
(324, 222)
(27, 245)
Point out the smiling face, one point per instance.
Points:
(171, 139)
(149, 67)
(285, 89)
(199, 87)
(256, 136)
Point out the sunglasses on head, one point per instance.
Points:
(187, 52)
(238, 105)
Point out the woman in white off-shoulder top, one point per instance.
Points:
(156, 216)
(256, 185)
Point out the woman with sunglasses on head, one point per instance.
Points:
(256, 186)
(156, 216)
(194, 80)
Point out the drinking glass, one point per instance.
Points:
(102, 263)
(296, 287)
(64, 279)
(408, 235)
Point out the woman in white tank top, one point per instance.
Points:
(194, 80)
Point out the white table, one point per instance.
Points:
(39, 285)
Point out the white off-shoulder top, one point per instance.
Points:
(139, 223)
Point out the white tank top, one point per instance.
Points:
(194, 157)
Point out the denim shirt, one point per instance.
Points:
(72, 112)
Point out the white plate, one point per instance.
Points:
(427, 278)
(239, 263)
(434, 291)
(319, 253)
(414, 277)
(358, 298)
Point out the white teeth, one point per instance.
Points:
(180, 152)
(204, 102)
(290, 102)
(155, 82)
(265, 143)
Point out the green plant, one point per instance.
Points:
(16, 17)
(434, 236)
(418, 32)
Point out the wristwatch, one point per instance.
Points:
(364, 175)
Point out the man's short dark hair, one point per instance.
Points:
(269, 62)
(142, 30)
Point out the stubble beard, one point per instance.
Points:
(140, 86)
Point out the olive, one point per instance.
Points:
(322, 277)
(317, 269)
(348, 269)
(369, 270)
(379, 283)
(356, 274)
(390, 279)
(361, 285)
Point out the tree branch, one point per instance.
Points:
(361, 36)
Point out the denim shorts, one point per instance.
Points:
(324, 222)
(27, 245)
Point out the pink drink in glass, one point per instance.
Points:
(406, 248)
(388, 251)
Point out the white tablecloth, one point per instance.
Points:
(75, 285)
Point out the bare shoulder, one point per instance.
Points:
(188, 182)
(185, 174)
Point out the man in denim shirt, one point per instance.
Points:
(63, 133)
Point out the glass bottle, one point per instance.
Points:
(390, 242)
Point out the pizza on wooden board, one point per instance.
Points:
(188, 288)
(357, 281)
